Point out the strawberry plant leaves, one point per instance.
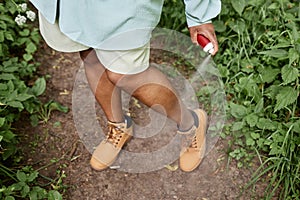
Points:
(285, 97)
(239, 6)
(289, 74)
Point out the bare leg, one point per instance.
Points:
(153, 89)
(106, 93)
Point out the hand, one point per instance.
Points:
(206, 30)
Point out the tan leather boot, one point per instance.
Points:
(192, 155)
(107, 151)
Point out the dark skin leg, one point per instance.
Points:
(106, 93)
(151, 87)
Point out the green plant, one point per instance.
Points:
(18, 44)
(259, 60)
(25, 186)
(259, 63)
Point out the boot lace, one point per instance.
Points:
(115, 134)
(194, 142)
(189, 140)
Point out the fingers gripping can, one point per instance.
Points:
(205, 44)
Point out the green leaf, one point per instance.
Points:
(7, 135)
(255, 136)
(268, 124)
(21, 176)
(10, 69)
(9, 198)
(15, 104)
(237, 126)
(33, 176)
(239, 6)
(27, 57)
(250, 141)
(268, 74)
(9, 151)
(39, 86)
(285, 97)
(289, 74)
(25, 191)
(259, 106)
(293, 55)
(33, 195)
(219, 26)
(30, 48)
(238, 111)
(54, 195)
(251, 119)
(275, 149)
(296, 126)
(56, 106)
(23, 97)
(6, 76)
(1, 36)
(24, 32)
(276, 53)
(34, 120)
(2, 121)
(238, 26)
(273, 6)
(9, 36)
(251, 87)
(37, 193)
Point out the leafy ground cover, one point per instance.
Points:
(20, 89)
(259, 62)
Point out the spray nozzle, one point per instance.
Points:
(205, 44)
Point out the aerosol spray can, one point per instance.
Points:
(205, 44)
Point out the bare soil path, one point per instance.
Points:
(58, 139)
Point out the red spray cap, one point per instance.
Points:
(205, 44)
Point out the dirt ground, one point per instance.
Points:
(58, 139)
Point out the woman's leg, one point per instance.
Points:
(106, 93)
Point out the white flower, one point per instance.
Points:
(23, 6)
(30, 15)
(20, 20)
